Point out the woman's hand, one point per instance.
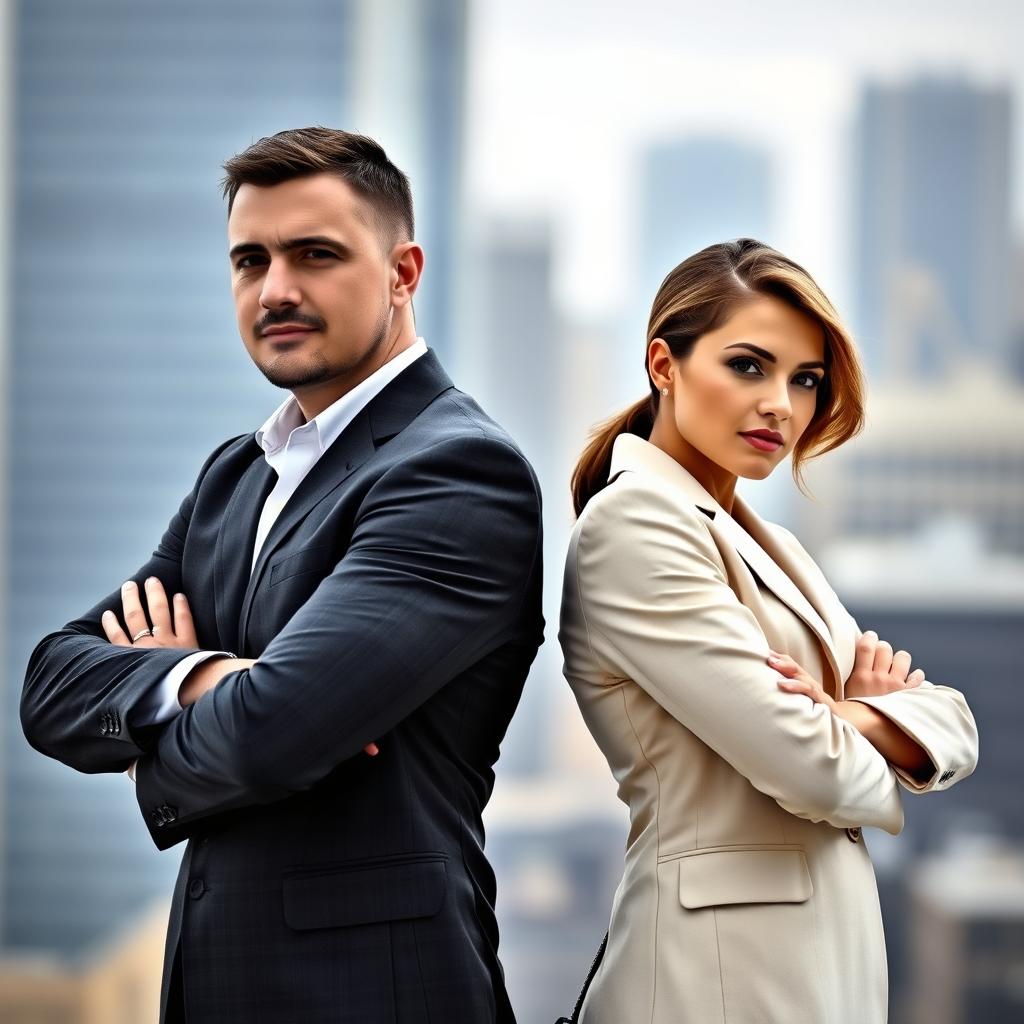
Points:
(799, 680)
(877, 670)
(165, 631)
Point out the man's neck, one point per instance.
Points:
(314, 399)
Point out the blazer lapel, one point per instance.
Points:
(235, 540)
(752, 543)
(387, 414)
(767, 559)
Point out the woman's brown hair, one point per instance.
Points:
(698, 296)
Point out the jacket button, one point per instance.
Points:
(853, 834)
(196, 888)
(169, 813)
(104, 724)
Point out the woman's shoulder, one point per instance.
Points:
(640, 515)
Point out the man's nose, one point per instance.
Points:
(279, 287)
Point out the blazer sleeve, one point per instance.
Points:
(936, 717)
(435, 578)
(658, 609)
(88, 702)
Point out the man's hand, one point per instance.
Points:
(164, 631)
(178, 631)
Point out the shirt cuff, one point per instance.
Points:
(165, 704)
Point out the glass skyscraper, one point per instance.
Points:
(932, 226)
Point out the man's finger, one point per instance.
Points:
(159, 612)
(184, 627)
(134, 617)
(115, 634)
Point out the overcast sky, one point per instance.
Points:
(563, 96)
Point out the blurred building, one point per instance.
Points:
(409, 88)
(959, 610)
(117, 982)
(514, 367)
(557, 847)
(932, 226)
(966, 913)
(125, 365)
(929, 452)
(694, 192)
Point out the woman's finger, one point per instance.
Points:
(883, 657)
(901, 661)
(786, 665)
(865, 654)
(916, 678)
(184, 627)
(115, 634)
(159, 612)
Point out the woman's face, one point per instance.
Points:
(745, 394)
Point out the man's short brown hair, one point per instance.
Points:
(356, 159)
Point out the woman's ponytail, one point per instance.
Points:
(591, 472)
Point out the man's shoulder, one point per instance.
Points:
(455, 417)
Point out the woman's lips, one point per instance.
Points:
(761, 443)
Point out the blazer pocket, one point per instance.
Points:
(727, 875)
(365, 892)
(305, 560)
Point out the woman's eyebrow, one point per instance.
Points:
(765, 354)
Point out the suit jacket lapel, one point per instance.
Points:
(762, 553)
(235, 540)
(386, 415)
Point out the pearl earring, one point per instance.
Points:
(664, 391)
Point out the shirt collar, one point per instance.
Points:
(285, 424)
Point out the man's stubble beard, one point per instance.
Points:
(315, 369)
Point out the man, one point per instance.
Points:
(363, 572)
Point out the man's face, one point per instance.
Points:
(312, 281)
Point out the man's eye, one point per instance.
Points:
(247, 262)
(319, 254)
(745, 361)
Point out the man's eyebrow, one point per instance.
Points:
(765, 354)
(248, 248)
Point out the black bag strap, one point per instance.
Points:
(574, 1019)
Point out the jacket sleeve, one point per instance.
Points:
(88, 702)
(659, 610)
(937, 718)
(435, 578)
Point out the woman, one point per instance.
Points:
(751, 726)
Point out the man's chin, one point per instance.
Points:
(291, 374)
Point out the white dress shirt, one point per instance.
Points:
(291, 446)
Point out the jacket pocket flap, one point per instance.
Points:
(722, 876)
(365, 894)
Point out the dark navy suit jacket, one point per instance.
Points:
(397, 599)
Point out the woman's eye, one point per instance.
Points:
(810, 380)
(739, 365)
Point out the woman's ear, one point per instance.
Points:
(659, 363)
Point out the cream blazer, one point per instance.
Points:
(747, 895)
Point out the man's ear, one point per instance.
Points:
(406, 268)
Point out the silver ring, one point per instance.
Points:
(141, 633)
